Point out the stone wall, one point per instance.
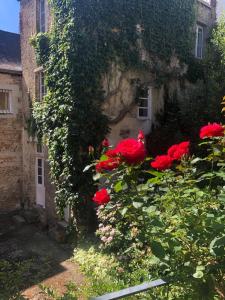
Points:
(121, 103)
(11, 159)
(28, 27)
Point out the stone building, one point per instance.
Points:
(33, 187)
(11, 123)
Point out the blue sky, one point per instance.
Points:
(9, 15)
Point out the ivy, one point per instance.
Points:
(85, 38)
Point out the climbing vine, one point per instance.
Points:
(86, 36)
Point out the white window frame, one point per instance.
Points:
(42, 86)
(197, 42)
(9, 110)
(42, 15)
(40, 159)
(148, 107)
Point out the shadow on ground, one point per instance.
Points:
(28, 257)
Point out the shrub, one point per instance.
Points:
(170, 221)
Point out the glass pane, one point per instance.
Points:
(40, 181)
(42, 86)
(143, 93)
(39, 171)
(199, 42)
(39, 148)
(40, 163)
(4, 100)
(42, 15)
(143, 102)
(143, 112)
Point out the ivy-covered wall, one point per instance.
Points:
(86, 38)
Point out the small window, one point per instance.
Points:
(144, 103)
(199, 42)
(42, 87)
(5, 99)
(40, 171)
(41, 21)
(39, 147)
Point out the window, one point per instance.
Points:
(40, 171)
(199, 42)
(39, 147)
(41, 20)
(42, 87)
(5, 101)
(144, 103)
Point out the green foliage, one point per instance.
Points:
(12, 279)
(171, 222)
(86, 37)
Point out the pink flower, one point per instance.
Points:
(211, 130)
(162, 162)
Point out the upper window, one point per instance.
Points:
(5, 101)
(42, 87)
(199, 42)
(144, 101)
(41, 19)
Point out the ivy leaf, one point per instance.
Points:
(137, 204)
(158, 250)
(198, 274)
(217, 246)
(124, 211)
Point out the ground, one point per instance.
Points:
(46, 262)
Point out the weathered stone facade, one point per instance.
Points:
(11, 123)
(11, 153)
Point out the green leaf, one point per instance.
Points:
(198, 274)
(155, 173)
(217, 246)
(157, 249)
(103, 157)
(137, 204)
(124, 211)
(150, 209)
(118, 186)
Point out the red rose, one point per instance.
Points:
(107, 165)
(111, 153)
(131, 150)
(176, 152)
(141, 136)
(101, 197)
(211, 130)
(162, 162)
(105, 143)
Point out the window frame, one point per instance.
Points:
(42, 86)
(9, 110)
(41, 16)
(148, 107)
(197, 41)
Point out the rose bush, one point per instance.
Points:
(170, 216)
